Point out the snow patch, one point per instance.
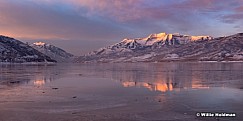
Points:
(172, 56)
(238, 57)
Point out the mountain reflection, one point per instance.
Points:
(38, 75)
(165, 77)
(160, 77)
(162, 87)
(39, 82)
(42, 79)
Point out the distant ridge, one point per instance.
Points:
(53, 52)
(15, 51)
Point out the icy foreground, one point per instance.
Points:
(15, 51)
(170, 47)
(121, 92)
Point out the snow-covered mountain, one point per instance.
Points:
(12, 50)
(229, 48)
(142, 49)
(53, 52)
(152, 41)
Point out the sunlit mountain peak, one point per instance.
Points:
(39, 43)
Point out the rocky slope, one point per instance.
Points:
(155, 47)
(15, 51)
(228, 48)
(53, 52)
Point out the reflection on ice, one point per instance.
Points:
(14, 75)
(39, 82)
(199, 86)
(162, 87)
(160, 77)
(167, 87)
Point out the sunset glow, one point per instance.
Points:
(113, 20)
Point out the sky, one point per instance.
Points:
(80, 26)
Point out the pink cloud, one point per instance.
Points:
(129, 10)
(239, 9)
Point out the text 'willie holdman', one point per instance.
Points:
(208, 114)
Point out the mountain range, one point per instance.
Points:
(143, 49)
(160, 47)
(164, 47)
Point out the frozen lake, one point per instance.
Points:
(121, 91)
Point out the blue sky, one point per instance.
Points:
(80, 26)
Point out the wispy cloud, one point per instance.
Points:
(34, 20)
